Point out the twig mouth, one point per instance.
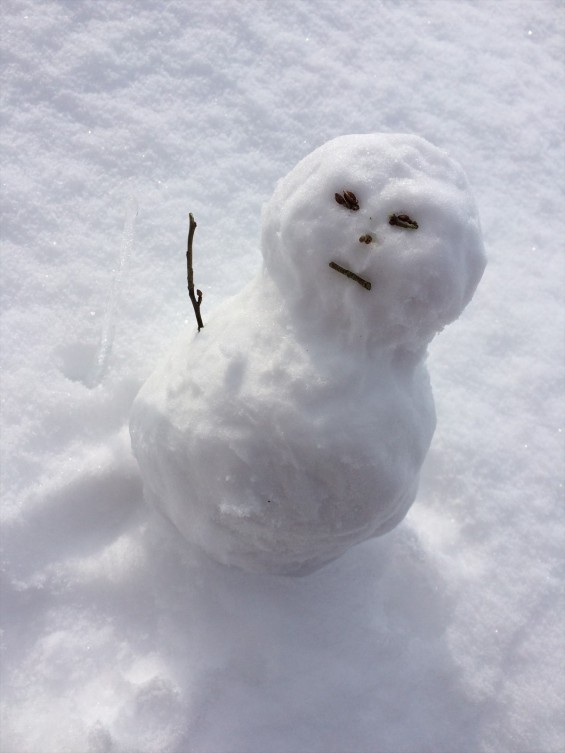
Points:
(352, 276)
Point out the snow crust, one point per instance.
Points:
(294, 425)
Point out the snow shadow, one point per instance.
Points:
(191, 655)
(76, 361)
(352, 657)
(77, 520)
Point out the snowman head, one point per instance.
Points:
(375, 238)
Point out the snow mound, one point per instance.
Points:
(294, 425)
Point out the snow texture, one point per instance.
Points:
(295, 424)
(444, 635)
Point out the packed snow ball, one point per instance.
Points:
(422, 271)
(294, 425)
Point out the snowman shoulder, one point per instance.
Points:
(245, 361)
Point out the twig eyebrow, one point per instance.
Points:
(352, 276)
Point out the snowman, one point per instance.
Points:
(294, 425)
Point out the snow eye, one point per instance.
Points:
(402, 220)
(347, 199)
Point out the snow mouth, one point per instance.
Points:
(352, 276)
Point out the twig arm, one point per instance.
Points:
(190, 274)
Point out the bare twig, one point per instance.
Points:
(190, 274)
(352, 276)
(347, 199)
(402, 220)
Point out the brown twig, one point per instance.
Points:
(347, 199)
(402, 220)
(352, 276)
(190, 274)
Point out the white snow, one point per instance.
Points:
(445, 634)
(420, 278)
(295, 424)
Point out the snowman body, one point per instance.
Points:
(295, 424)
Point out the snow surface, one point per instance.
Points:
(295, 424)
(444, 635)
